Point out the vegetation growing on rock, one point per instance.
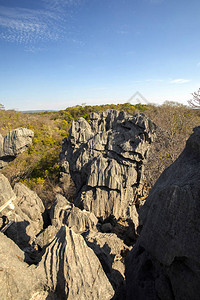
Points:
(39, 168)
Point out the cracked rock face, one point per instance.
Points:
(105, 158)
(14, 143)
(165, 262)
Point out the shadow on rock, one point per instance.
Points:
(109, 248)
(17, 233)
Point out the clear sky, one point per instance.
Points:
(60, 53)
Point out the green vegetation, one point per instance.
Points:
(176, 123)
(39, 168)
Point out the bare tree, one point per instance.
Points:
(195, 102)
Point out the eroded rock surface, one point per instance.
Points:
(24, 208)
(28, 216)
(14, 143)
(106, 159)
(72, 270)
(17, 280)
(64, 212)
(165, 263)
(7, 196)
(111, 252)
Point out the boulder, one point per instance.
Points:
(165, 262)
(105, 159)
(64, 212)
(72, 270)
(13, 144)
(17, 141)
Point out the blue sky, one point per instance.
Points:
(60, 53)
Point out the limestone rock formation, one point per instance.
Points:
(165, 262)
(64, 212)
(17, 279)
(111, 252)
(106, 160)
(72, 269)
(69, 269)
(28, 216)
(14, 143)
(24, 208)
(7, 196)
(46, 236)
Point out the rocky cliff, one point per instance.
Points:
(66, 267)
(106, 159)
(165, 262)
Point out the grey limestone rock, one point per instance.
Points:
(106, 158)
(14, 143)
(166, 259)
(29, 205)
(46, 236)
(17, 279)
(1, 145)
(64, 212)
(66, 267)
(7, 196)
(111, 252)
(72, 270)
(28, 215)
(25, 209)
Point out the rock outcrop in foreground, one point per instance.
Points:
(165, 262)
(64, 267)
(24, 209)
(17, 279)
(105, 159)
(72, 270)
(14, 143)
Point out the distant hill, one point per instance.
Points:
(34, 111)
